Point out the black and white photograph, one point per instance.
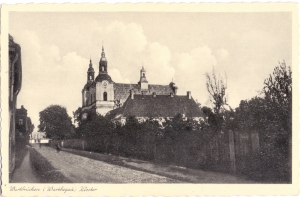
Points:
(152, 96)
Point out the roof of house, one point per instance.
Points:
(159, 106)
(122, 91)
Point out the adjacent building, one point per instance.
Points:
(15, 83)
(24, 126)
(158, 107)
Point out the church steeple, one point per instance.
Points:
(143, 81)
(90, 72)
(103, 62)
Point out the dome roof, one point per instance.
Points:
(91, 69)
(89, 84)
(102, 77)
(103, 59)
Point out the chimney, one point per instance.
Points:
(154, 94)
(175, 89)
(172, 94)
(131, 94)
(189, 94)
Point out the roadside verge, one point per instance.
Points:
(46, 172)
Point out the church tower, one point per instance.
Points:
(103, 63)
(104, 88)
(90, 72)
(143, 81)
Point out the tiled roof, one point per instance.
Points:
(122, 91)
(159, 106)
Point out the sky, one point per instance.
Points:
(183, 47)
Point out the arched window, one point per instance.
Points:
(102, 68)
(143, 74)
(105, 96)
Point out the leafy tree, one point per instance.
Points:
(278, 94)
(55, 121)
(98, 130)
(253, 114)
(77, 115)
(30, 126)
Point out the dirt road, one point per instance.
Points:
(80, 169)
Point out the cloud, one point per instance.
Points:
(190, 71)
(157, 64)
(117, 76)
(222, 54)
(48, 77)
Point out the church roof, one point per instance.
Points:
(91, 69)
(102, 77)
(143, 80)
(89, 84)
(122, 91)
(159, 106)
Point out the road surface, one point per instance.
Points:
(80, 169)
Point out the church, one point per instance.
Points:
(105, 96)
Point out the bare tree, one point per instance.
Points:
(216, 87)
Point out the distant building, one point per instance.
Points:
(157, 107)
(39, 137)
(15, 83)
(22, 125)
(103, 94)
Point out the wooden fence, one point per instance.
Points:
(232, 152)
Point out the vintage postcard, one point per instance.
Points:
(150, 99)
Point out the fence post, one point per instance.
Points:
(232, 152)
(82, 143)
(255, 142)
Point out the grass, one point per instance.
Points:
(47, 173)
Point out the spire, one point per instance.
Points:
(90, 72)
(143, 69)
(103, 53)
(143, 81)
(91, 65)
(103, 62)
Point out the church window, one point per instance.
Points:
(102, 68)
(143, 74)
(105, 96)
(20, 121)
